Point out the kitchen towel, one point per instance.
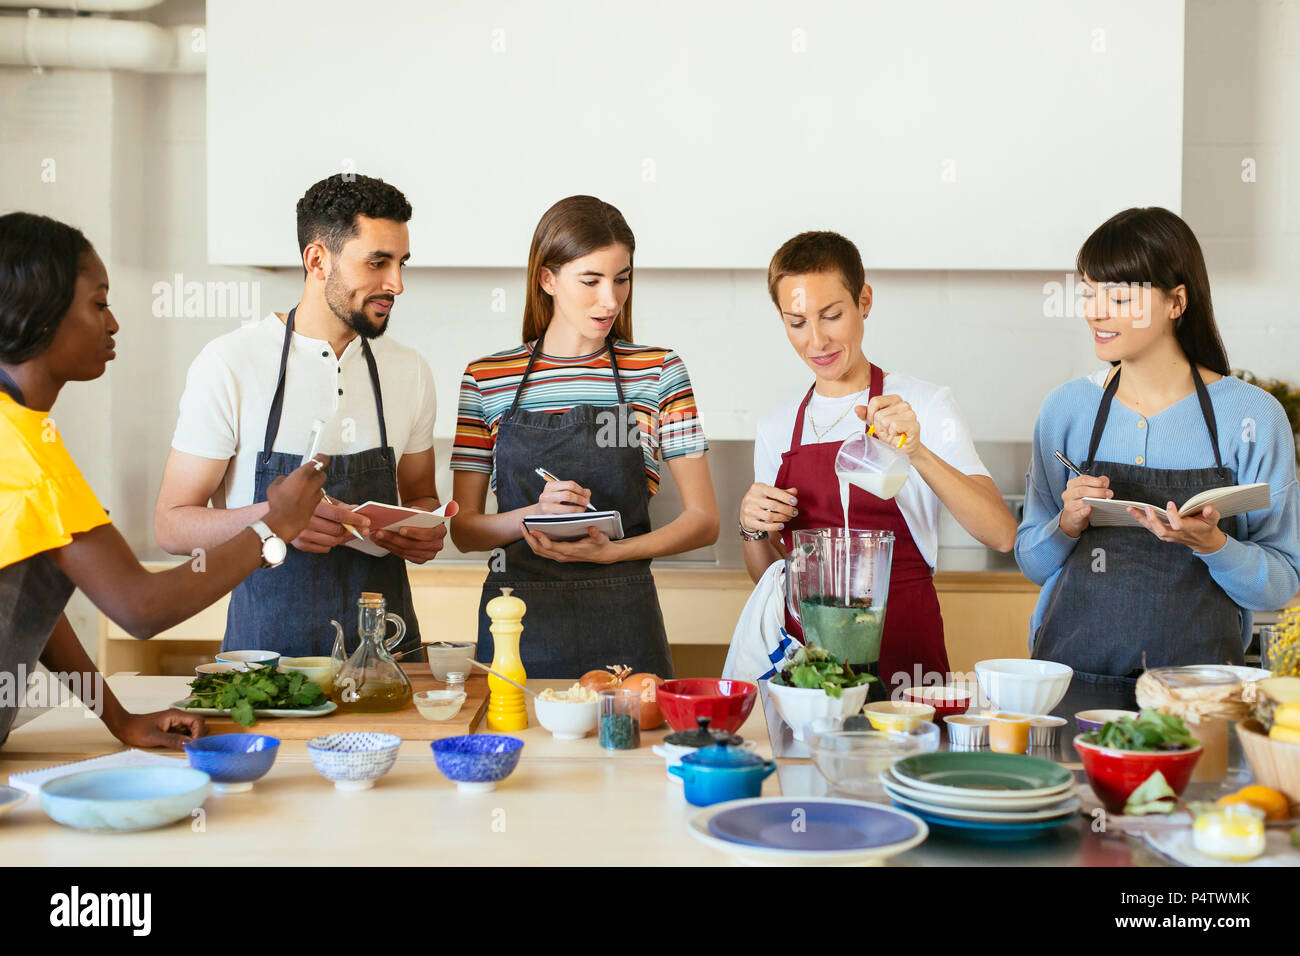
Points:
(760, 641)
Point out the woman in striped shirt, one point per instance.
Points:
(580, 401)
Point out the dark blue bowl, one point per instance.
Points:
(477, 761)
(233, 761)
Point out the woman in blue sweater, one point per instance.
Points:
(1165, 421)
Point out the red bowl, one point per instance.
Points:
(946, 701)
(725, 702)
(1114, 774)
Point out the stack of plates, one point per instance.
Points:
(813, 831)
(983, 795)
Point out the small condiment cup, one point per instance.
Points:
(1009, 733)
(1232, 831)
(1043, 731)
(967, 731)
(438, 704)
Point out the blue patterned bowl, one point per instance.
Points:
(233, 761)
(354, 761)
(477, 761)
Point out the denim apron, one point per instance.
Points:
(1155, 604)
(912, 646)
(33, 594)
(581, 616)
(289, 608)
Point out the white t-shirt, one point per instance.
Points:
(942, 430)
(228, 392)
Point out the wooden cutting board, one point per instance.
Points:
(406, 723)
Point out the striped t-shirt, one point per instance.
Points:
(655, 384)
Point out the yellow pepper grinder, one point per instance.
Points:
(506, 709)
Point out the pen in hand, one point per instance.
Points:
(1069, 464)
(547, 476)
(356, 534)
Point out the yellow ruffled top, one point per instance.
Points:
(44, 500)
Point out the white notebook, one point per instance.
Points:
(571, 527)
(31, 780)
(1229, 500)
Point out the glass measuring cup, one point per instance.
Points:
(873, 465)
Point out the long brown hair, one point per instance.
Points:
(573, 228)
(1152, 244)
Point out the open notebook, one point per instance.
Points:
(31, 780)
(1230, 500)
(386, 517)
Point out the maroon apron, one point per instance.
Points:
(912, 647)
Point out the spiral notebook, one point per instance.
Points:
(573, 527)
(31, 780)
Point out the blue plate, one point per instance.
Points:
(981, 830)
(792, 825)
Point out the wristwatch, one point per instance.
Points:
(748, 535)
(274, 550)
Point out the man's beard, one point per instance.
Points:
(337, 298)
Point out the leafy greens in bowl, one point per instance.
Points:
(815, 668)
(1149, 731)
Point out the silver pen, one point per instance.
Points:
(1069, 464)
(313, 445)
(547, 476)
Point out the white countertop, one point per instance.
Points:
(568, 802)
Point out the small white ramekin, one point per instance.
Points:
(967, 731)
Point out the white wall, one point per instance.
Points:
(131, 172)
(937, 133)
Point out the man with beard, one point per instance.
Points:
(251, 400)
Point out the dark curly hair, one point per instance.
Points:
(327, 212)
(40, 259)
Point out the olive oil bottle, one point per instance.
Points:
(372, 682)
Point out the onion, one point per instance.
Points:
(607, 679)
(647, 684)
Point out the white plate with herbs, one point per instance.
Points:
(323, 709)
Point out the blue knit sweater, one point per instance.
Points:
(1260, 570)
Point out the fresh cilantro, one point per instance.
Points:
(240, 692)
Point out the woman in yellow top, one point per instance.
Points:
(56, 327)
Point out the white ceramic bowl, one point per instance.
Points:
(250, 658)
(1023, 686)
(800, 706)
(219, 667)
(354, 761)
(565, 719)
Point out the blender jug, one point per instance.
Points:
(837, 585)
